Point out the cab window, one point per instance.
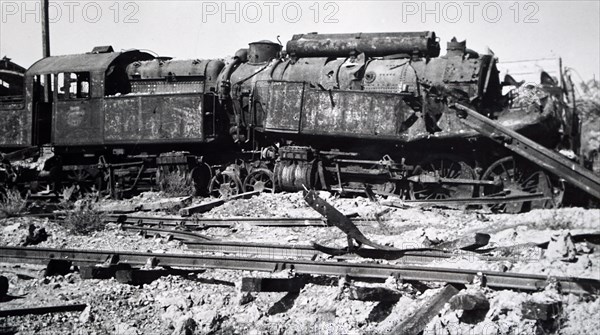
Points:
(73, 85)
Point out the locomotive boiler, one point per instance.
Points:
(350, 112)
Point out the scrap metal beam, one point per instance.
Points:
(207, 206)
(368, 270)
(547, 159)
(466, 201)
(42, 310)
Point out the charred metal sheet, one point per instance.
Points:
(78, 122)
(130, 119)
(373, 44)
(355, 114)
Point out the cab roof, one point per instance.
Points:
(89, 62)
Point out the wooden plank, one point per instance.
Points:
(417, 322)
(42, 310)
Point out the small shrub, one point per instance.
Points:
(176, 184)
(12, 203)
(84, 219)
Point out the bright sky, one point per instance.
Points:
(215, 29)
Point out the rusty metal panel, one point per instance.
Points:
(156, 119)
(356, 114)
(15, 127)
(78, 122)
(284, 105)
(122, 121)
(462, 71)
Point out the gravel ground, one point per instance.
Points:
(211, 301)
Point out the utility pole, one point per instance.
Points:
(46, 47)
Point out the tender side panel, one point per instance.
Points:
(154, 119)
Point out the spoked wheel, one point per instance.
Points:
(83, 181)
(260, 180)
(446, 168)
(515, 178)
(225, 184)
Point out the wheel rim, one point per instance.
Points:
(260, 180)
(225, 185)
(445, 167)
(81, 179)
(516, 180)
(201, 176)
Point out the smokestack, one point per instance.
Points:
(46, 46)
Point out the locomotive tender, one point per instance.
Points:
(343, 112)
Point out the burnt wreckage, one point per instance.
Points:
(377, 112)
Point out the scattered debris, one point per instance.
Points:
(543, 311)
(561, 247)
(57, 267)
(474, 306)
(373, 294)
(468, 301)
(272, 284)
(35, 236)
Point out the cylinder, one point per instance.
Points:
(423, 44)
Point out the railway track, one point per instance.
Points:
(202, 243)
(203, 223)
(497, 280)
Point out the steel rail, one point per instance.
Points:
(499, 280)
(308, 251)
(202, 223)
(178, 234)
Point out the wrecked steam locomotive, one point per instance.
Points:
(342, 112)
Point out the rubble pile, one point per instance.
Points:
(215, 301)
